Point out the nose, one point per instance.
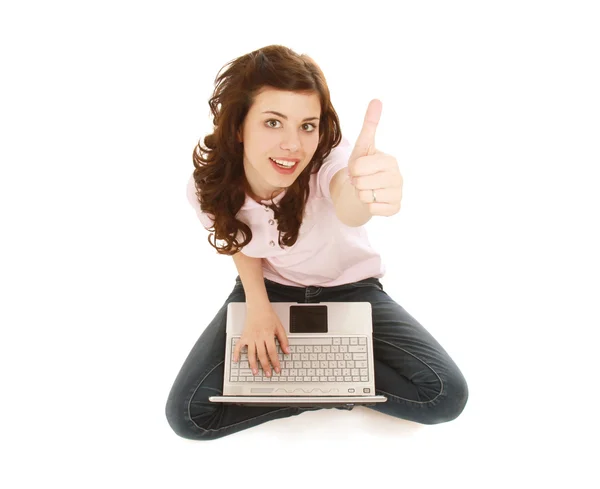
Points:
(291, 143)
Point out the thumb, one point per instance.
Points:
(283, 341)
(365, 144)
(236, 350)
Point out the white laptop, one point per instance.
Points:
(330, 363)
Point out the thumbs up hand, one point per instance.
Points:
(375, 175)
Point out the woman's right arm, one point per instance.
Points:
(251, 275)
(262, 323)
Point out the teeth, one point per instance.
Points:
(287, 164)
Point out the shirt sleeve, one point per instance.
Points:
(206, 219)
(335, 161)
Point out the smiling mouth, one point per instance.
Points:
(288, 166)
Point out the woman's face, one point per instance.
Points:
(294, 134)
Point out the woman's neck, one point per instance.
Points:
(257, 197)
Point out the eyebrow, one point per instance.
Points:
(285, 117)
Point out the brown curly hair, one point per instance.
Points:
(219, 174)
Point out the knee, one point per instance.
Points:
(181, 424)
(451, 402)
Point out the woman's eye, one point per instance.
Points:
(313, 127)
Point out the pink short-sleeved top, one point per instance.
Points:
(326, 253)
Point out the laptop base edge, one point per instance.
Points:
(290, 401)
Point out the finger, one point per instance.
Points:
(283, 341)
(252, 357)
(379, 209)
(272, 350)
(236, 350)
(262, 355)
(384, 196)
(376, 176)
(365, 143)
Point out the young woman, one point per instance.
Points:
(288, 197)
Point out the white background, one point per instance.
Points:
(107, 279)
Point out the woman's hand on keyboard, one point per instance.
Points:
(261, 327)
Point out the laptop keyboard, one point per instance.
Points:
(331, 359)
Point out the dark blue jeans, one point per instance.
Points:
(420, 380)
